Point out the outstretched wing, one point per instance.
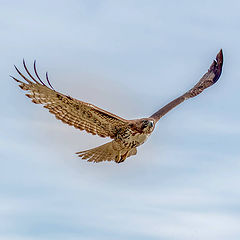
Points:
(206, 81)
(81, 115)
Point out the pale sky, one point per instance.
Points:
(130, 58)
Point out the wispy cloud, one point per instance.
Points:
(129, 58)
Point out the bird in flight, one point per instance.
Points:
(127, 135)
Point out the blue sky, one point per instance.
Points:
(130, 58)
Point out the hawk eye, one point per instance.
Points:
(144, 124)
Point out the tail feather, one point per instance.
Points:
(107, 152)
(104, 152)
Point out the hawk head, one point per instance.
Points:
(144, 125)
(147, 124)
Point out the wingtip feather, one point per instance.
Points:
(15, 79)
(216, 66)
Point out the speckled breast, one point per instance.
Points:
(136, 140)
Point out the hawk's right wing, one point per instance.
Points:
(81, 115)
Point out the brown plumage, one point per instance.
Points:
(127, 135)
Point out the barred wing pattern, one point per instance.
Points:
(81, 115)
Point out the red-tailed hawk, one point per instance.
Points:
(127, 135)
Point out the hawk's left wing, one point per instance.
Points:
(208, 79)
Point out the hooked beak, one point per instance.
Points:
(151, 124)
